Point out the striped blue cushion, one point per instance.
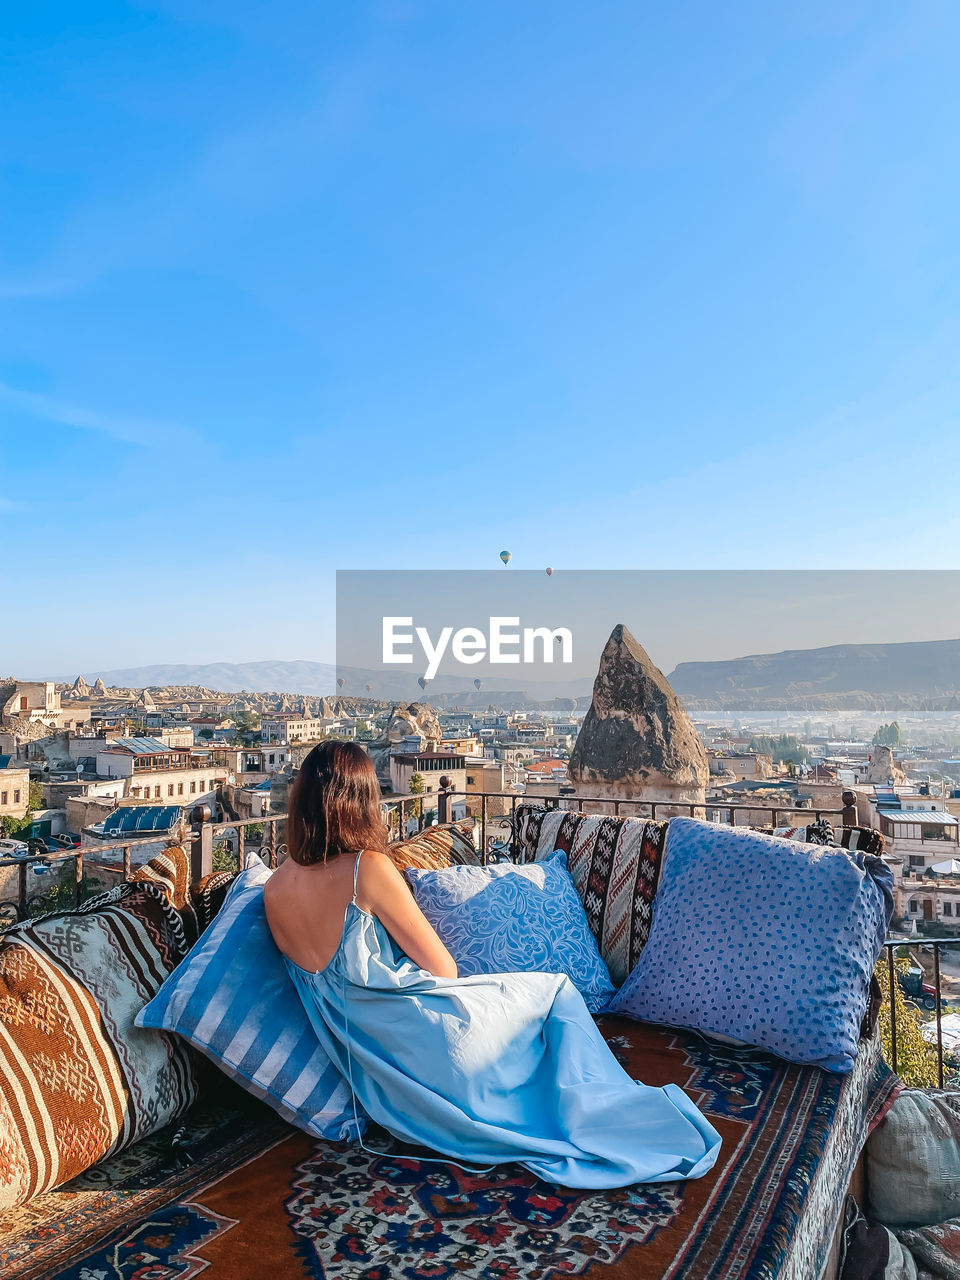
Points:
(233, 999)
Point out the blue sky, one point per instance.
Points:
(296, 287)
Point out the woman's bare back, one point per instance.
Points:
(306, 907)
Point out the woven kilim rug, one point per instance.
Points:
(260, 1200)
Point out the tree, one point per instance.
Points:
(205, 733)
(888, 735)
(417, 787)
(785, 748)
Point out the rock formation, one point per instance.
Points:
(883, 768)
(637, 741)
(405, 720)
(80, 688)
(99, 688)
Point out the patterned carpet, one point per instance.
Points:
(259, 1199)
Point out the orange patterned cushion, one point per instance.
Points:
(78, 1080)
(436, 847)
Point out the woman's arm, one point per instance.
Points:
(382, 890)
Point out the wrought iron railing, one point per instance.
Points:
(947, 1059)
(506, 847)
(201, 840)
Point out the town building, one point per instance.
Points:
(293, 726)
(431, 765)
(14, 789)
(37, 702)
(151, 771)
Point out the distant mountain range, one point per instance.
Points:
(928, 669)
(320, 678)
(841, 674)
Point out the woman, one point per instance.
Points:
(487, 1069)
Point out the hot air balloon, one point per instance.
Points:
(506, 557)
(368, 687)
(340, 682)
(477, 684)
(549, 573)
(422, 682)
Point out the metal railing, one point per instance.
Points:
(200, 840)
(948, 1062)
(509, 848)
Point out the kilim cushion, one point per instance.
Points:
(435, 847)
(171, 870)
(78, 1080)
(615, 866)
(232, 998)
(863, 839)
(209, 894)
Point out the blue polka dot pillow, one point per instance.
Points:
(764, 940)
(509, 919)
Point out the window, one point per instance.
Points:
(156, 793)
(3, 797)
(169, 788)
(914, 906)
(917, 860)
(948, 908)
(193, 788)
(469, 779)
(179, 788)
(16, 797)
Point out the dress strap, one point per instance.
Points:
(356, 868)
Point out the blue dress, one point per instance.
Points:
(494, 1068)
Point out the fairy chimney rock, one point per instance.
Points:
(99, 688)
(883, 767)
(637, 740)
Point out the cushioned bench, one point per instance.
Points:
(262, 1199)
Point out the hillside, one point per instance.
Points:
(913, 670)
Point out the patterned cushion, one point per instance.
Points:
(506, 919)
(209, 894)
(78, 1080)
(862, 839)
(733, 949)
(819, 832)
(232, 999)
(615, 866)
(436, 847)
(171, 870)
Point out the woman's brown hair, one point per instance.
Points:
(334, 805)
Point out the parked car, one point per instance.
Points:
(67, 840)
(914, 988)
(44, 844)
(13, 849)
